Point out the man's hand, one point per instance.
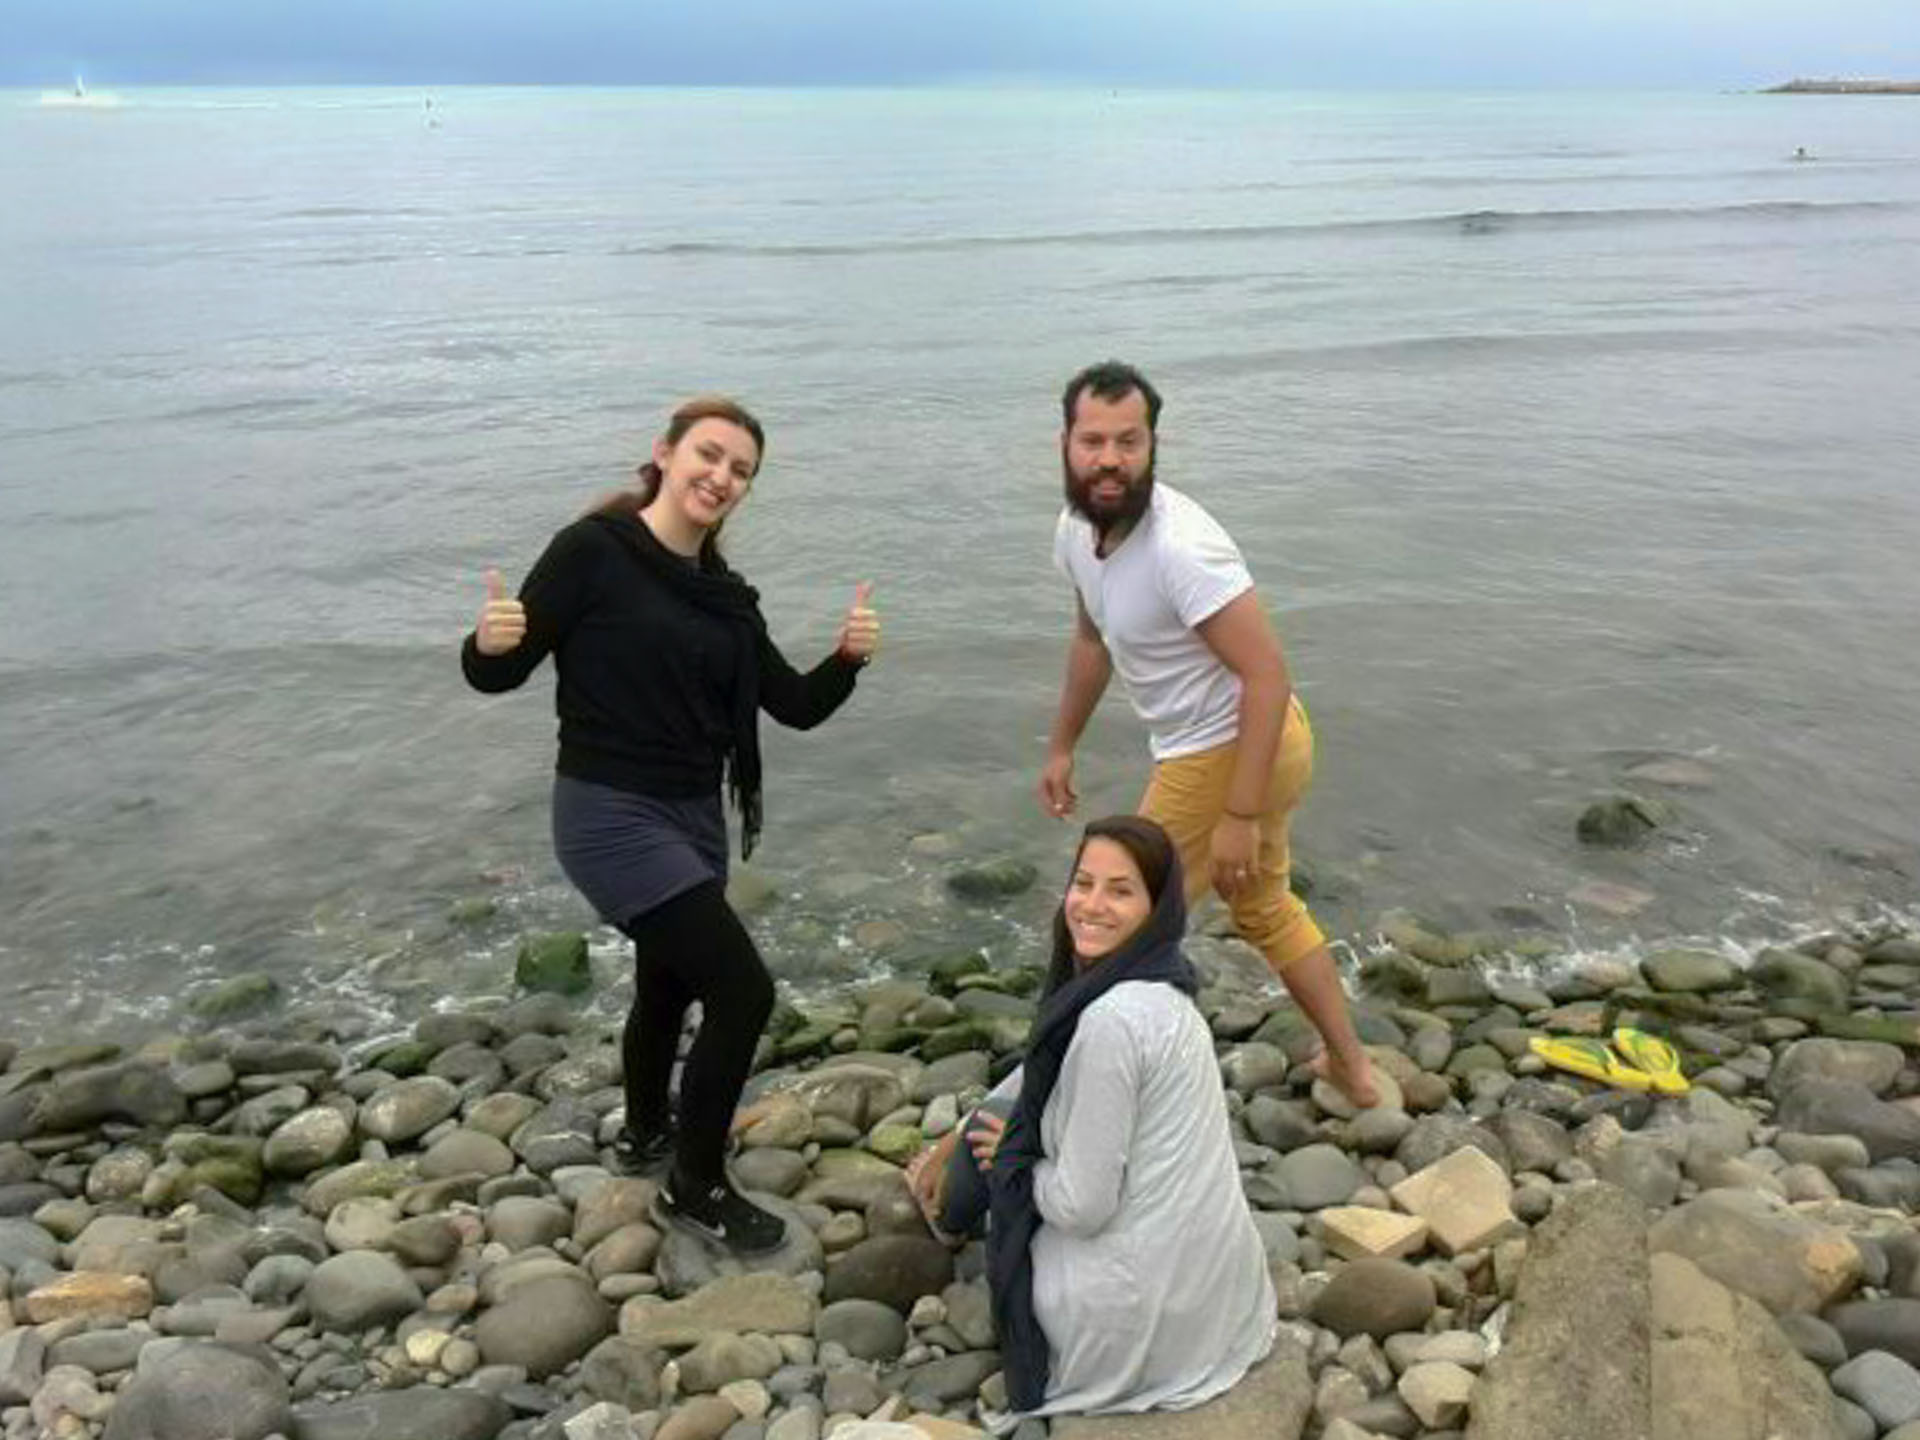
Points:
(1057, 795)
(1235, 854)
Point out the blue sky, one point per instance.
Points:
(1313, 43)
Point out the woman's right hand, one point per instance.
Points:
(503, 619)
(985, 1131)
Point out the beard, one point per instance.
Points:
(1119, 514)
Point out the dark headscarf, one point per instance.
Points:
(1152, 954)
(715, 588)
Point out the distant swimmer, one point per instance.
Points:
(1800, 152)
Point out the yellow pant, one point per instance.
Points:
(1188, 795)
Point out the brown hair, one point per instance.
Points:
(1152, 851)
(647, 477)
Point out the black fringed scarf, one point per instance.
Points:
(718, 590)
(1153, 954)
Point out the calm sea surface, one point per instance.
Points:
(1564, 434)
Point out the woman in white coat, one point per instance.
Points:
(1126, 1271)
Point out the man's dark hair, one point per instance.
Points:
(1110, 380)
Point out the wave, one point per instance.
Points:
(1464, 222)
(1445, 349)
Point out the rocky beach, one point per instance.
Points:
(264, 1229)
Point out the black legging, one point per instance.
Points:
(693, 947)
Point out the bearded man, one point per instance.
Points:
(1164, 597)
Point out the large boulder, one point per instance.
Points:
(1577, 1358)
(1789, 975)
(131, 1090)
(190, 1390)
(1722, 1369)
(1271, 1402)
(1757, 1246)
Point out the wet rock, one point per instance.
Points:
(997, 879)
(1785, 975)
(131, 1090)
(1619, 821)
(1690, 972)
(555, 964)
(234, 997)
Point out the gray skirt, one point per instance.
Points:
(630, 853)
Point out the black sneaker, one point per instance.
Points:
(721, 1214)
(644, 1156)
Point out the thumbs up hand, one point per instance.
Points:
(503, 619)
(860, 631)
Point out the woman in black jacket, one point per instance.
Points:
(664, 663)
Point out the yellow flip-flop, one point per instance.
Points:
(1654, 1056)
(1589, 1058)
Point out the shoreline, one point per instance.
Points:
(426, 1236)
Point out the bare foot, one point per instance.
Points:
(1353, 1080)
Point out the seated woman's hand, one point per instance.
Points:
(985, 1131)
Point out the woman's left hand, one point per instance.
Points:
(985, 1131)
(1235, 854)
(860, 631)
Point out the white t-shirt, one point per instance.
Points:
(1175, 569)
